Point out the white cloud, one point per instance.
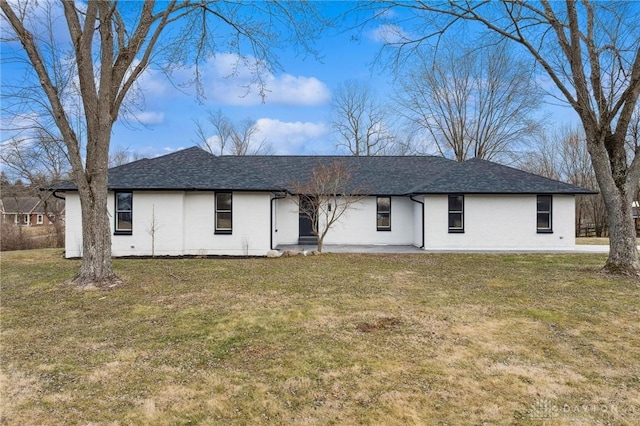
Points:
(151, 82)
(150, 117)
(230, 80)
(388, 33)
(291, 90)
(291, 137)
(151, 151)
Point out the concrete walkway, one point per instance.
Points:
(328, 248)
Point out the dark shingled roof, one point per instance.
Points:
(478, 176)
(30, 205)
(196, 169)
(22, 205)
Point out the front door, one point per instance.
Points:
(306, 235)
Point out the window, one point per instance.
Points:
(39, 219)
(223, 213)
(124, 213)
(456, 213)
(25, 219)
(383, 217)
(543, 211)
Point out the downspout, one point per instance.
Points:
(422, 204)
(275, 197)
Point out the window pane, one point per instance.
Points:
(223, 220)
(384, 220)
(124, 221)
(223, 201)
(543, 217)
(455, 220)
(124, 201)
(543, 221)
(384, 204)
(455, 202)
(544, 203)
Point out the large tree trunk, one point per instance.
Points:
(609, 163)
(96, 270)
(623, 252)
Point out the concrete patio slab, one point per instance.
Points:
(328, 248)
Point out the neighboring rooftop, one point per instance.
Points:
(196, 169)
(28, 205)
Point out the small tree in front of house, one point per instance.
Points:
(326, 196)
(153, 228)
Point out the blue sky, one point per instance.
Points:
(294, 116)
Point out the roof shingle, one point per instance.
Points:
(196, 169)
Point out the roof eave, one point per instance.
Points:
(586, 192)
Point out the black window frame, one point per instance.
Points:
(383, 212)
(451, 212)
(549, 213)
(218, 230)
(117, 211)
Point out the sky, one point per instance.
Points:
(293, 117)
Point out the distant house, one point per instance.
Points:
(200, 204)
(30, 211)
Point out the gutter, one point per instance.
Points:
(57, 196)
(422, 204)
(275, 197)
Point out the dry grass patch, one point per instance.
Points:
(333, 339)
(602, 241)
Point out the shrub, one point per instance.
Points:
(14, 237)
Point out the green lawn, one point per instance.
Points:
(332, 339)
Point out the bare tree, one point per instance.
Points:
(231, 138)
(81, 78)
(41, 161)
(473, 103)
(222, 127)
(576, 169)
(152, 230)
(326, 196)
(13, 237)
(564, 156)
(544, 160)
(122, 155)
(633, 149)
(35, 157)
(591, 53)
(633, 136)
(360, 120)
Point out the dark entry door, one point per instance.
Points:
(306, 235)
